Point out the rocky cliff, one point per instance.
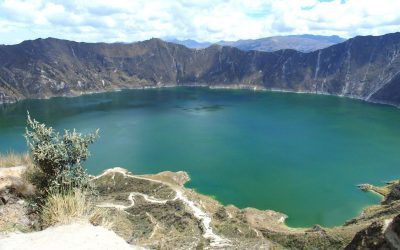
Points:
(363, 67)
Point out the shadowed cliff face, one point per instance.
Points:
(364, 67)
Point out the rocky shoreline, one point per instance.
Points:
(9, 100)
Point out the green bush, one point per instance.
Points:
(58, 158)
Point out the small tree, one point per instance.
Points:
(58, 158)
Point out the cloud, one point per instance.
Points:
(127, 20)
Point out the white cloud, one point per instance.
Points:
(208, 20)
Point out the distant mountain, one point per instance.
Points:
(303, 43)
(365, 67)
(333, 39)
(191, 43)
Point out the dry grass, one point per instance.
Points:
(71, 207)
(12, 159)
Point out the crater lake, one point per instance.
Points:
(299, 154)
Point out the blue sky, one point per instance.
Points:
(207, 20)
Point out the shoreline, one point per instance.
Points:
(285, 216)
(256, 88)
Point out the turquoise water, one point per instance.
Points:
(299, 154)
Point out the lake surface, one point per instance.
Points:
(299, 154)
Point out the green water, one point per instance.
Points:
(299, 154)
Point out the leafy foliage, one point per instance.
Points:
(58, 158)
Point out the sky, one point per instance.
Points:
(201, 20)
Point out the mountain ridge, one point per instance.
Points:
(364, 67)
(303, 43)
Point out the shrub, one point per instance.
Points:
(57, 158)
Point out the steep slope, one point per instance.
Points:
(363, 67)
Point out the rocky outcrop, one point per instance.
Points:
(11, 180)
(394, 193)
(363, 67)
(379, 235)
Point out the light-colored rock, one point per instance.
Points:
(11, 178)
(81, 236)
